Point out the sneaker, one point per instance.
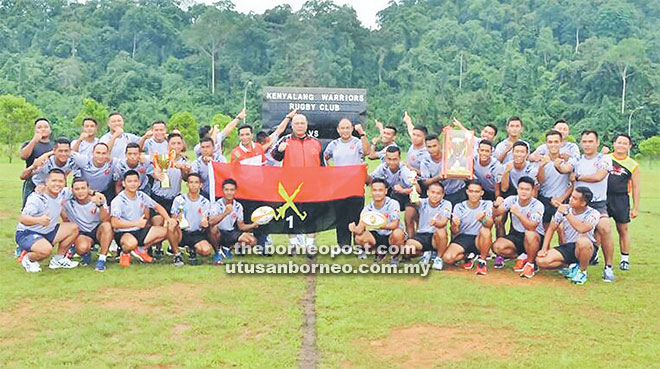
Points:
(573, 272)
(227, 252)
(528, 271)
(624, 265)
(178, 260)
(482, 267)
(580, 277)
(438, 263)
(218, 258)
(64, 263)
(469, 264)
(20, 256)
(192, 256)
(142, 256)
(608, 274)
(395, 261)
(100, 266)
(159, 254)
(113, 246)
(565, 271)
(30, 266)
(520, 265)
(170, 251)
(499, 262)
(125, 260)
(362, 254)
(426, 258)
(86, 259)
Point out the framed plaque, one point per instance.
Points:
(457, 153)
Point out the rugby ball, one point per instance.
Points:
(262, 215)
(373, 219)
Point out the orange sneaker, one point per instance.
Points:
(469, 264)
(482, 267)
(520, 264)
(124, 260)
(528, 271)
(142, 256)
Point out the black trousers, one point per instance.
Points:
(347, 211)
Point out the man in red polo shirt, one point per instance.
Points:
(247, 152)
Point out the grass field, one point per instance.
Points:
(198, 316)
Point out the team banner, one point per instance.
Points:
(305, 200)
(323, 107)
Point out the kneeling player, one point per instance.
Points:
(129, 217)
(38, 229)
(434, 213)
(194, 209)
(227, 227)
(578, 221)
(471, 223)
(524, 238)
(388, 234)
(91, 214)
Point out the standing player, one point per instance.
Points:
(89, 210)
(623, 177)
(201, 164)
(431, 237)
(431, 171)
(97, 170)
(38, 229)
(129, 219)
(33, 149)
(60, 158)
(555, 186)
(387, 138)
(524, 238)
(247, 152)
(195, 210)
(578, 221)
(488, 171)
(116, 139)
(517, 168)
(398, 177)
(87, 140)
(504, 150)
(387, 235)
(155, 140)
(133, 160)
(567, 149)
(227, 227)
(417, 151)
(218, 135)
(471, 223)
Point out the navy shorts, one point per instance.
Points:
(92, 235)
(25, 239)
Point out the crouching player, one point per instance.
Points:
(227, 227)
(390, 233)
(38, 228)
(89, 210)
(471, 224)
(430, 241)
(578, 221)
(524, 238)
(129, 217)
(191, 211)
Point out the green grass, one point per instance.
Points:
(157, 315)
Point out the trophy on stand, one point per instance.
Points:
(164, 162)
(457, 153)
(414, 195)
(183, 223)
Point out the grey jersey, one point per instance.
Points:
(144, 169)
(175, 177)
(427, 212)
(489, 174)
(39, 177)
(130, 209)
(344, 153)
(152, 147)
(99, 178)
(119, 147)
(390, 210)
(86, 216)
(193, 211)
(402, 177)
(468, 216)
(86, 148)
(569, 148)
(200, 167)
(585, 166)
(591, 216)
(431, 168)
(533, 211)
(555, 183)
(529, 170)
(502, 146)
(415, 157)
(228, 223)
(38, 204)
(217, 149)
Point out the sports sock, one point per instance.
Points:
(624, 257)
(58, 257)
(608, 267)
(102, 257)
(522, 256)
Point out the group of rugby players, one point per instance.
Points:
(120, 199)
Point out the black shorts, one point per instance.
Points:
(457, 197)
(618, 207)
(402, 198)
(601, 206)
(468, 242)
(192, 238)
(140, 235)
(381, 240)
(549, 210)
(518, 240)
(426, 239)
(92, 235)
(488, 195)
(166, 203)
(229, 238)
(567, 250)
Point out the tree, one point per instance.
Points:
(16, 118)
(650, 148)
(92, 109)
(626, 55)
(186, 123)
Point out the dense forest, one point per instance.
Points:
(591, 62)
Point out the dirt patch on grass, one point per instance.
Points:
(164, 297)
(178, 331)
(425, 346)
(506, 277)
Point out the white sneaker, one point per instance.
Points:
(113, 246)
(438, 264)
(62, 263)
(426, 257)
(30, 266)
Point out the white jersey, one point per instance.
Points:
(588, 166)
(38, 204)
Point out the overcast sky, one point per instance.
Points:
(366, 9)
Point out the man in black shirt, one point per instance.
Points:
(37, 146)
